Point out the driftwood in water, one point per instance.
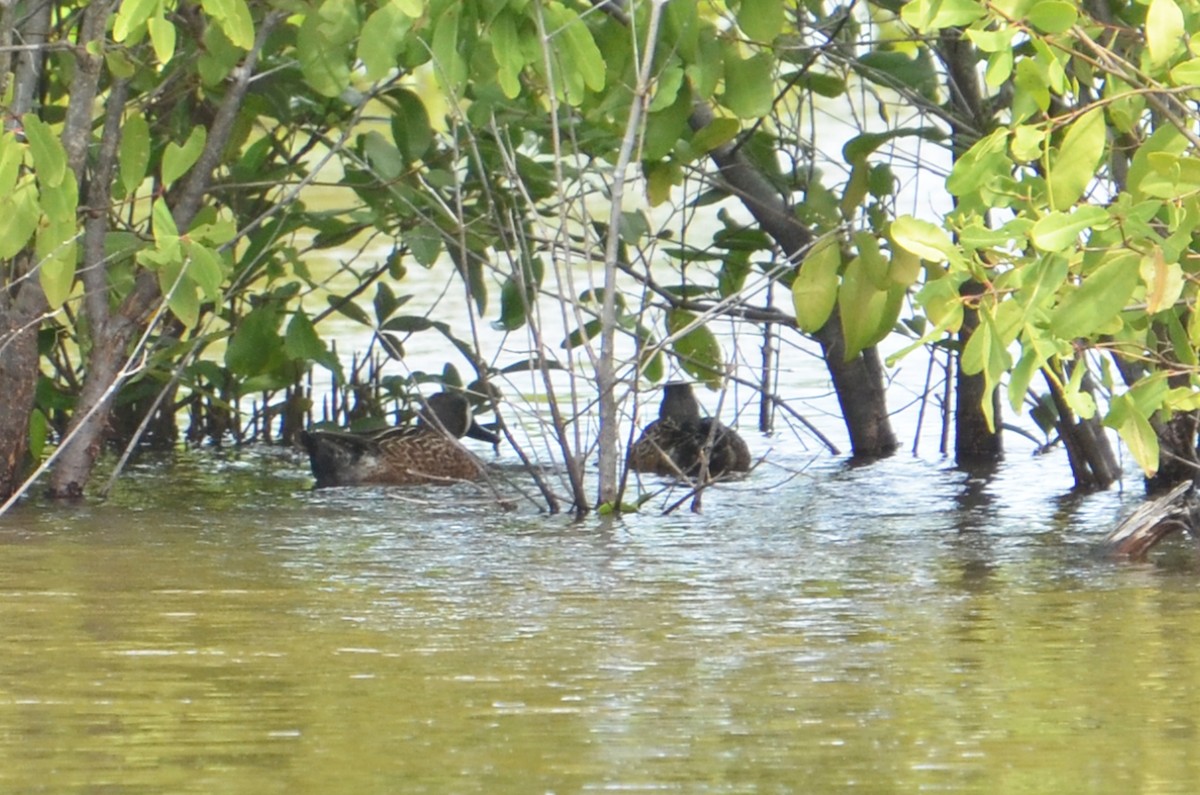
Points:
(1178, 509)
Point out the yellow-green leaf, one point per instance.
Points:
(19, 217)
(761, 20)
(162, 36)
(131, 16)
(55, 249)
(135, 152)
(815, 288)
(942, 303)
(1163, 280)
(698, 350)
(1077, 159)
(1164, 31)
(1142, 441)
(383, 37)
(49, 159)
(206, 268)
(1058, 231)
(233, 17)
(448, 63)
(1052, 16)
(749, 87)
(1187, 73)
(923, 238)
(1099, 299)
(178, 159)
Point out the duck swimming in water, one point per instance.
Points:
(428, 452)
(680, 441)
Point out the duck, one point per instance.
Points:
(428, 452)
(680, 441)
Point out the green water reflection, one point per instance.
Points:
(218, 629)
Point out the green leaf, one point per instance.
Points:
(665, 127)
(923, 238)
(860, 146)
(346, 306)
(386, 303)
(1098, 299)
(890, 67)
(181, 295)
(56, 252)
(986, 352)
(424, 243)
(135, 152)
(19, 218)
(761, 20)
(867, 313)
(820, 83)
(698, 351)
(12, 154)
(815, 288)
(383, 156)
(49, 158)
(581, 335)
(1164, 280)
(584, 53)
(1075, 164)
(409, 125)
(448, 65)
(162, 36)
(513, 306)
(1052, 16)
(506, 49)
(934, 15)
(177, 159)
(1059, 231)
(666, 90)
(904, 267)
(1187, 73)
(942, 303)
(409, 324)
(235, 22)
(749, 85)
(383, 38)
(1164, 31)
(164, 223)
(131, 16)
(1170, 177)
(254, 342)
(301, 340)
(1139, 436)
(1036, 348)
(322, 51)
(205, 268)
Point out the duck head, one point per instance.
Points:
(452, 412)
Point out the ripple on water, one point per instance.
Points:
(899, 625)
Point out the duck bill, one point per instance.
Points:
(475, 431)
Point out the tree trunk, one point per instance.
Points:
(22, 302)
(974, 442)
(111, 359)
(20, 318)
(1093, 464)
(859, 383)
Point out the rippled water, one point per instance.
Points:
(897, 627)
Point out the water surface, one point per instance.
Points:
(899, 627)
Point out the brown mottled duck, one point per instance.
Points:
(428, 452)
(680, 441)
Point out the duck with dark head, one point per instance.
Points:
(428, 452)
(682, 442)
